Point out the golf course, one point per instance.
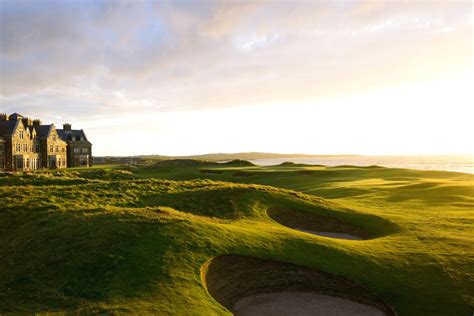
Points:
(192, 237)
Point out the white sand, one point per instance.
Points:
(301, 304)
(330, 234)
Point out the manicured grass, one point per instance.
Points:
(118, 239)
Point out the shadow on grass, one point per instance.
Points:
(57, 260)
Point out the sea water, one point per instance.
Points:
(463, 164)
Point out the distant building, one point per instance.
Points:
(79, 149)
(2, 154)
(26, 144)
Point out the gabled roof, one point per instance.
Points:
(75, 135)
(8, 127)
(43, 131)
(15, 116)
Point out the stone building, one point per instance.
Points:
(2, 154)
(26, 144)
(52, 147)
(79, 149)
(21, 152)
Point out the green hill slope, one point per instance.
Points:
(127, 240)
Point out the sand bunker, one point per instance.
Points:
(316, 224)
(253, 286)
(330, 234)
(301, 304)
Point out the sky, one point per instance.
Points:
(187, 77)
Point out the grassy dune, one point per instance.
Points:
(129, 240)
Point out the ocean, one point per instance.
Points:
(463, 164)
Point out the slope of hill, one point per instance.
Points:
(130, 240)
(211, 157)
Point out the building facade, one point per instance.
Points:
(53, 149)
(2, 154)
(26, 144)
(79, 149)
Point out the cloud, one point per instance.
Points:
(89, 58)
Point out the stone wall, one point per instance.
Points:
(23, 152)
(79, 154)
(53, 151)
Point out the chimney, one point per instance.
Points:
(36, 122)
(27, 121)
(3, 117)
(67, 127)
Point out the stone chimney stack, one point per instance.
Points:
(27, 121)
(67, 127)
(36, 122)
(3, 117)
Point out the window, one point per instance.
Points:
(82, 161)
(77, 150)
(63, 150)
(52, 161)
(54, 138)
(51, 148)
(17, 147)
(57, 149)
(19, 163)
(21, 134)
(84, 150)
(25, 148)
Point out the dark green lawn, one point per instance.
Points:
(133, 240)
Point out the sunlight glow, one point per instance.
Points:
(422, 118)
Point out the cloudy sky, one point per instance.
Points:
(189, 77)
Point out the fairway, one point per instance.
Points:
(181, 237)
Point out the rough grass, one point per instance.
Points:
(133, 240)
